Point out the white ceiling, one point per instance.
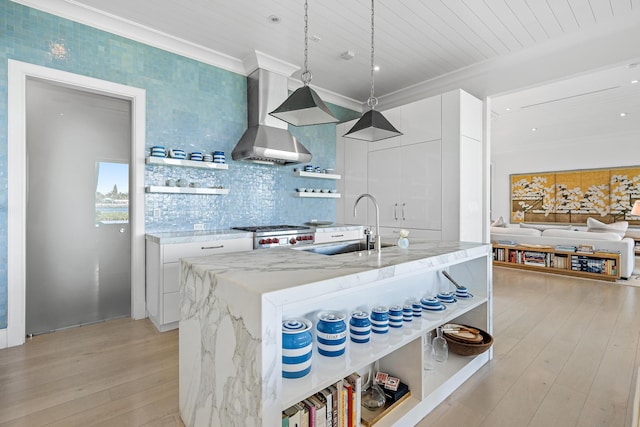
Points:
(416, 40)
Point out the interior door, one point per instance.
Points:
(78, 242)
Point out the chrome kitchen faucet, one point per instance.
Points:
(376, 239)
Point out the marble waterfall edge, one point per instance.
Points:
(221, 383)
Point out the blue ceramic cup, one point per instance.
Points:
(297, 343)
(395, 316)
(407, 313)
(360, 327)
(331, 333)
(380, 320)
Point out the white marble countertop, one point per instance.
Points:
(338, 227)
(289, 275)
(169, 237)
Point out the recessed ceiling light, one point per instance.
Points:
(274, 19)
(534, 129)
(623, 114)
(376, 68)
(634, 82)
(508, 108)
(347, 55)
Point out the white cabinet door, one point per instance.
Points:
(421, 120)
(385, 182)
(421, 188)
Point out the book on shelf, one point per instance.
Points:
(585, 249)
(565, 248)
(606, 251)
(326, 397)
(304, 414)
(293, 416)
(356, 384)
(507, 243)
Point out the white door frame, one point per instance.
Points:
(19, 72)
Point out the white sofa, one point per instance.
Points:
(555, 236)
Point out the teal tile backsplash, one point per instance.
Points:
(190, 105)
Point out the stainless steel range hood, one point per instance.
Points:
(267, 139)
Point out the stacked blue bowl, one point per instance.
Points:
(432, 304)
(206, 157)
(178, 154)
(380, 320)
(395, 316)
(297, 343)
(218, 157)
(463, 293)
(158, 151)
(446, 297)
(196, 156)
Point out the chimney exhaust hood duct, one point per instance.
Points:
(267, 140)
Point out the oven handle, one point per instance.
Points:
(212, 247)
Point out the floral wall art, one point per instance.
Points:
(570, 197)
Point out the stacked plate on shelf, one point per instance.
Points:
(206, 157)
(158, 151)
(218, 157)
(196, 156)
(178, 154)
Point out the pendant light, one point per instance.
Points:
(304, 106)
(372, 126)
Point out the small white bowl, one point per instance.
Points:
(324, 190)
(301, 190)
(333, 190)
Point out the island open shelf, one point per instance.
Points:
(232, 308)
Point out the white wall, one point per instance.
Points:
(599, 151)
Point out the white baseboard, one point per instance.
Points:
(4, 340)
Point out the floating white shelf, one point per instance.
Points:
(186, 190)
(316, 175)
(317, 195)
(187, 163)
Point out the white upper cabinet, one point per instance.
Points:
(421, 120)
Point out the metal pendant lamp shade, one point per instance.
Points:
(304, 106)
(372, 126)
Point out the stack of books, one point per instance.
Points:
(566, 248)
(335, 406)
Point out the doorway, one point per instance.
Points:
(18, 75)
(78, 240)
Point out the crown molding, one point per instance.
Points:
(553, 60)
(74, 11)
(100, 20)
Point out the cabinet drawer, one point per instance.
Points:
(338, 236)
(173, 252)
(171, 307)
(170, 277)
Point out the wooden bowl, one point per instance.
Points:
(470, 349)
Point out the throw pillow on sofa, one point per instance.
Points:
(499, 223)
(620, 227)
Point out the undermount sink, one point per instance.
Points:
(340, 248)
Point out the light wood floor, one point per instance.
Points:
(566, 353)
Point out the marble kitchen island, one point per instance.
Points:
(231, 311)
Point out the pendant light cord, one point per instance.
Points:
(306, 74)
(372, 101)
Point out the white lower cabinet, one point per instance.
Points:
(407, 182)
(163, 270)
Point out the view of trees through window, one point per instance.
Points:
(112, 192)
